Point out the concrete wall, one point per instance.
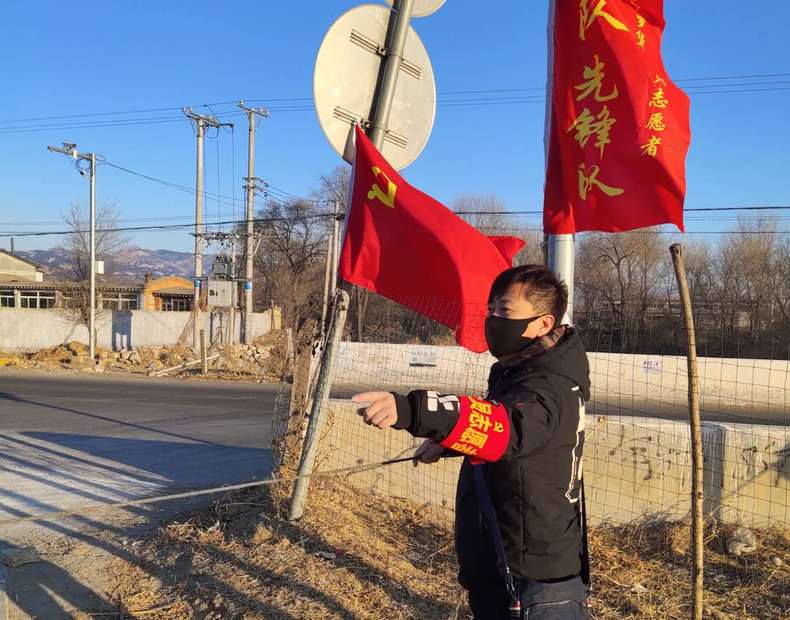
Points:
(28, 330)
(634, 468)
(642, 384)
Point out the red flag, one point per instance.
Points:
(406, 246)
(618, 127)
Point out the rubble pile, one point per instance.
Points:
(264, 360)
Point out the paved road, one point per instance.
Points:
(70, 439)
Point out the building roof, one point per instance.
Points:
(21, 259)
(175, 290)
(65, 286)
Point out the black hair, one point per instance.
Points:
(542, 288)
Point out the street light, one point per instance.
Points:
(70, 149)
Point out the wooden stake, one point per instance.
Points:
(203, 358)
(697, 517)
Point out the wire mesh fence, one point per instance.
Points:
(637, 454)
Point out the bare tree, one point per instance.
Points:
(76, 245)
(745, 264)
(781, 279)
(486, 212)
(335, 186)
(622, 275)
(489, 215)
(289, 262)
(76, 248)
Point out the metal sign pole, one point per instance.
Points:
(386, 73)
(561, 249)
(396, 39)
(561, 259)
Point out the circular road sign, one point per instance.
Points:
(345, 78)
(422, 8)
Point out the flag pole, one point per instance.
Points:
(560, 249)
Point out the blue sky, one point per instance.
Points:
(62, 59)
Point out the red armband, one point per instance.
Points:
(482, 431)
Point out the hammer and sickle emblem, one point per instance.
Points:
(376, 193)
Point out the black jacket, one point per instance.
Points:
(534, 486)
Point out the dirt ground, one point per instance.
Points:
(356, 555)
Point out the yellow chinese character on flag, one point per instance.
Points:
(656, 122)
(587, 16)
(476, 438)
(480, 422)
(640, 39)
(586, 125)
(589, 179)
(594, 82)
(651, 148)
(658, 100)
(499, 427)
(640, 21)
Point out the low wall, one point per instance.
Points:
(29, 330)
(621, 383)
(634, 468)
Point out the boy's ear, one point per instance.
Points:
(546, 324)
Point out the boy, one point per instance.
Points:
(517, 521)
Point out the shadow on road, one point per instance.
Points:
(26, 401)
(44, 472)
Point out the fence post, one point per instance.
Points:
(203, 359)
(697, 517)
(318, 406)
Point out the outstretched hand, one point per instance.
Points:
(377, 408)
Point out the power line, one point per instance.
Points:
(115, 113)
(478, 102)
(263, 220)
(452, 103)
(115, 229)
(297, 104)
(294, 99)
(502, 213)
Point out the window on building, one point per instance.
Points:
(176, 304)
(70, 300)
(7, 299)
(119, 301)
(37, 299)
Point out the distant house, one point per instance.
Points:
(16, 268)
(22, 285)
(170, 294)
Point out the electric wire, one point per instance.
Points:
(721, 85)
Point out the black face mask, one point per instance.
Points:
(504, 336)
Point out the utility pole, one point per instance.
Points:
(249, 185)
(201, 121)
(396, 39)
(71, 150)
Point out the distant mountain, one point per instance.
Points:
(131, 263)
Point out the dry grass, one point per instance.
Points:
(656, 556)
(351, 556)
(357, 555)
